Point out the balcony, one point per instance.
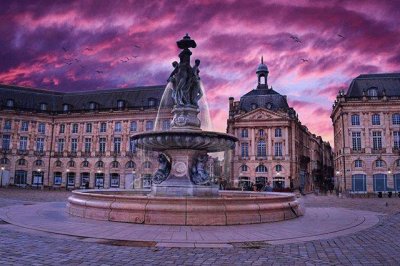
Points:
(378, 151)
(86, 154)
(278, 157)
(39, 153)
(22, 152)
(116, 153)
(72, 154)
(130, 154)
(5, 151)
(357, 151)
(58, 154)
(100, 153)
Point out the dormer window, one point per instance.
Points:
(152, 102)
(66, 107)
(253, 106)
(372, 92)
(120, 104)
(43, 107)
(10, 103)
(269, 105)
(92, 106)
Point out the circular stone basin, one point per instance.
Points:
(230, 208)
(183, 139)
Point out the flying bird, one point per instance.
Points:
(89, 49)
(124, 61)
(99, 71)
(294, 38)
(65, 49)
(341, 36)
(304, 60)
(137, 46)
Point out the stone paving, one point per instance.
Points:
(377, 245)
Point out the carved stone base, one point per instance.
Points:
(185, 118)
(179, 181)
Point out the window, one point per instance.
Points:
(42, 128)
(130, 165)
(88, 144)
(376, 140)
(166, 124)
(355, 120)
(24, 126)
(75, 128)
(359, 183)
(57, 178)
(102, 145)
(85, 179)
(71, 164)
(152, 102)
(20, 177)
(253, 106)
(7, 124)
(43, 106)
(117, 145)
(396, 179)
(278, 149)
(396, 140)
(356, 141)
(70, 179)
(278, 132)
(261, 132)
(245, 149)
(85, 163)
(149, 125)
(261, 149)
(261, 169)
(358, 164)
(62, 129)
(118, 127)
(376, 119)
(380, 182)
(88, 127)
(133, 126)
(398, 163)
(278, 168)
(60, 145)
(10, 103)
(39, 163)
(379, 163)
(245, 133)
(100, 164)
(74, 145)
(373, 92)
(21, 162)
(396, 119)
(114, 164)
(23, 143)
(58, 163)
(65, 107)
(244, 168)
(147, 164)
(92, 106)
(120, 104)
(6, 142)
(99, 180)
(4, 161)
(114, 180)
(132, 146)
(40, 144)
(103, 127)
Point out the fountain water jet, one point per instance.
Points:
(182, 192)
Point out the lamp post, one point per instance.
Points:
(97, 179)
(1, 177)
(67, 184)
(133, 178)
(39, 175)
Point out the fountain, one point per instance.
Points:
(182, 192)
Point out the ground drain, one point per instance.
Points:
(126, 243)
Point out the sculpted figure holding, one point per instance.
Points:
(199, 173)
(163, 169)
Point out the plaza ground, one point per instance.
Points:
(377, 245)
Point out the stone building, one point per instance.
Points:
(70, 139)
(366, 121)
(273, 144)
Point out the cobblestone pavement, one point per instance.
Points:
(378, 245)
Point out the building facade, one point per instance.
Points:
(273, 145)
(366, 123)
(80, 139)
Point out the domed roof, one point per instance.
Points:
(262, 67)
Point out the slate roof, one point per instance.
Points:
(385, 82)
(31, 98)
(263, 98)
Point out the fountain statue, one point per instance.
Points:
(182, 192)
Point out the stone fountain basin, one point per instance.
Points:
(183, 139)
(229, 208)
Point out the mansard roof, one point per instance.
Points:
(266, 98)
(26, 98)
(385, 83)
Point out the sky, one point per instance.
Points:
(92, 45)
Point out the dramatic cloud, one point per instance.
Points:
(89, 45)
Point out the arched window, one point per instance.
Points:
(396, 119)
(58, 163)
(99, 164)
(120, 104)
(269, 105)
(376, 119)
(22, 162)
(152, 102)
(66, 107)
(261, 169)
(262, 79)
(10, 103)
(71, 164)
(261, 149)
(379, 163)
(278, 168)
(278, 132)
(253, 106)
(130, 165)
(147, 164)
(358, 164)
(355, 120)
(245, 133)
(39, 163)
(92, 106)
(372, 92)
(85, 163)
(133, 126)
(398, 163)
(244, 168)
(114, 164)
(4, 161)
(43, 107)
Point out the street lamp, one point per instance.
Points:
(133, 178)
(37, 178)
(98, 179)
(1, 178)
